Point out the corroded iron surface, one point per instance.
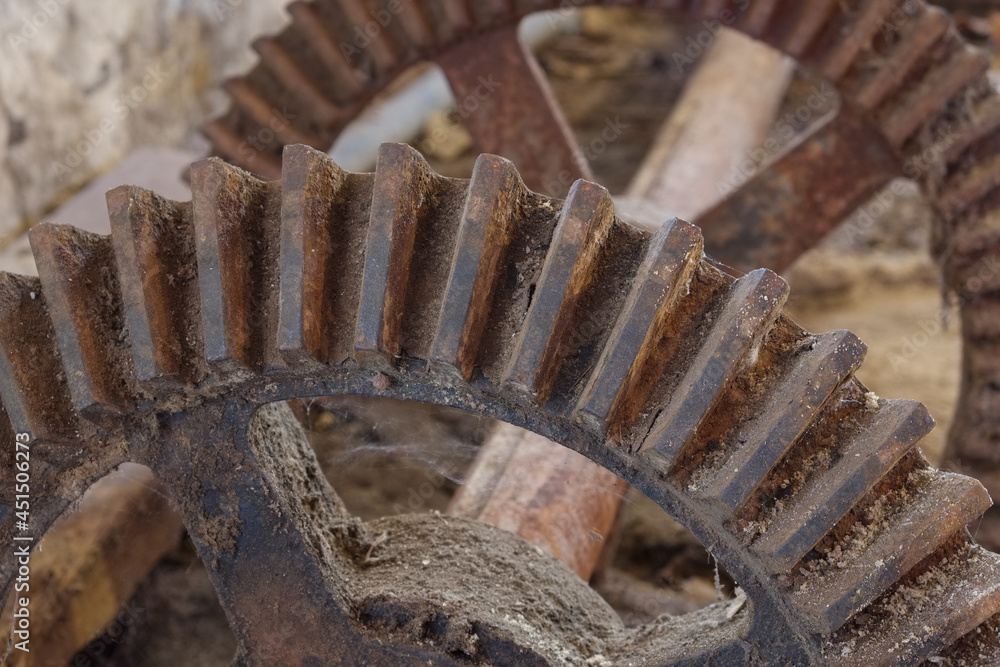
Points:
(162, 342)
(914, 101)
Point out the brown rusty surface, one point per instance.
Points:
(399, 202)
(506, 104)
(874, 450)
(303, 583)
(315, 289)
(29, 350)
(869, 564)
(822, 366)
(233, 261)
(157, 286)
(749, 310)
(901, 65)
(582, 231)
(483, 238)
(970, 595)
(77, 272)
(615, 391)
(817, 183)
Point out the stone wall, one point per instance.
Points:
(83, 82)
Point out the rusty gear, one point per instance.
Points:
(160, 343)
(915, 101)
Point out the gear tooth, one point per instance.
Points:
(965, 191)
(310, 184)
(792, 408)
(980, 645)
(736, 333)
(492, 11)
(33, 383)
(324, 45)
(379, 46)
(237, 221)
(968, 635)
(940, 506)
(298, 82)
(569, 268)
(983, 122)
(458, 15)
(672, 5)
(341, 300)
(806, 27)
(78, 273)
(230, 145)
(916, 107)
(954, 610)
(872, 450)
(711, 9)
(483, 237)
(884, 80)
(154, 246)
(615, 392)
(847, 36)
(266, 115)
(416, 26)
(403, 190)
(758, 17)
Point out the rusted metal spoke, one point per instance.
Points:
(782, 209)
(505, 101)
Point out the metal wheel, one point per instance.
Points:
(161, 343)
(915, 101)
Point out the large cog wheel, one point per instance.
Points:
(160, 343)
(916, 101)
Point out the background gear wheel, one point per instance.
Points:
(160, 342)
(915, 101)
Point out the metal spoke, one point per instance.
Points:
(505, 102)
(790, 205)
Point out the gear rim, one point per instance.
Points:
(129, 390)
(892, 62)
